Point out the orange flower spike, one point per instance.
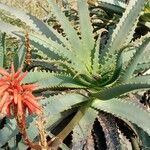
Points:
(30, 95)
(30, 87)
(13, 93)
(6, 78)
(3, 100)
(21, 77)
(3, 88)
(6, 108)
(32, 102)
(15, 96)
(2, 82)
(32, 108)
(19, 87)
(20, 107)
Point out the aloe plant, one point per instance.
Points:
(90, 79)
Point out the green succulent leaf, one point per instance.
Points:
(55, 65)
(62, 102)
(35, 76)
(142, 67)
(59, 81)
(144, 137)
(55, 105)
(12, 143)
(21, 145)
(21, 55)
(10, 28)
(135, 60)
(34, 23)
(124, 26)
(20, 15)
(47, 43)
(124, 109)
(136, 83)
(54, 50)
(68, 29)
(8, 131)
(96, 55)
(26, 18)
(83, 128)
(47, 80)
(87, 37)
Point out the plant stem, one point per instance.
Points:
(21, 122)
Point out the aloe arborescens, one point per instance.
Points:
(99, 78)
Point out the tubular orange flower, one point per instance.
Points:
(16, 97)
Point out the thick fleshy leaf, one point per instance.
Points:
(54, 50)
(10, 29)
(68, 29)
(55, 105)
(95, 54)
(8, 131)
(62, 102)
(83, 129)
(124, 26)
(52, 80)
(137, 83)
(87, 37)
(135, 60)
(125, 109)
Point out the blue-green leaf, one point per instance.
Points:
(127, 110)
